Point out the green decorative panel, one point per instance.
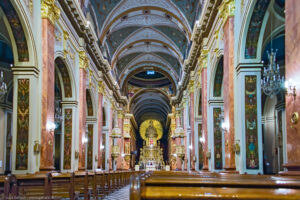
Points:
(68, 139)
(172, 60)
(188, 8)
(252, 161)
(123, 62)
(22, 124)
(217, 139)
(200, 103)
(65, 77)
(90, 146)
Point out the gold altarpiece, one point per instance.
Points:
(151, 157)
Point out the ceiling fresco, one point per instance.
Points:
(189, 8)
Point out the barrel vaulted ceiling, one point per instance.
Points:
(136, 35)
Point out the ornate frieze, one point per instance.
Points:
(227, 9)
(90, 146)
(252, 161)
(22, 124)
(218, 152)
(67, 139)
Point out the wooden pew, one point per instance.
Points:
(174, 185)
(33, 185)
(8, 187)
(62, 185)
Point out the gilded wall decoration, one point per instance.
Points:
(89, 103)
(22, 124)
(218, 79)
(90, 146)
(17, 30)
(251, 122)
(65, 77)
(218, 150)
(68, 139)
(255, 27)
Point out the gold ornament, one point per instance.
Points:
(157, 125)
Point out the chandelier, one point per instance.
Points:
(272, 81)
(3, 86)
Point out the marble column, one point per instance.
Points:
(120, 160)
(100, 122)
(192, 126)
(50, 14)
(204, 118)
(292, 71)
(228, 91)
(82, 109)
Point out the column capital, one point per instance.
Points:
(226, 9)
(50, 11)
(83, 60)
(101, 87)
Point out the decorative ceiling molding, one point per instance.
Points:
(148, 48)
(127, 6)
(145, 35)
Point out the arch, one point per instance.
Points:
(133, 72)
(114, 16)
(145, 91)
(66, 77)
(20, 32)
(218, 79)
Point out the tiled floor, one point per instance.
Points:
(121, 194)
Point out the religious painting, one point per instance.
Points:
(280, 139)
(68, 139)
(255, 27)
(17, 30)
(22, 124)
(200, 103)
(217, 139)
(90, 146)
(251, 122)
(218, 79)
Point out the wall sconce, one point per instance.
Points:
(294, 119)
(290, 88)
(76, 154)
(190, 147)
(236, 148)
(208, 154)
(36, 147)
(101, 147)
(224, 126)
(84, 140)
(50, 126)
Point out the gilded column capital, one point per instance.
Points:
(120, 114)
(226, 9)
(101, 87)
(191, 86)
(83, 60)
(49, 10)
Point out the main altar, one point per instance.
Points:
(151, 155)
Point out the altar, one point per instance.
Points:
(151, 155)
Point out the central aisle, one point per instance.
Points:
(122, 193)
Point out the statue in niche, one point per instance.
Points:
(151, 131)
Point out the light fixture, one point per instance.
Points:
(50, 126)
(290, 88)
(85, 139)
(272, 81)
(3, 86)
(191, 147)
(101, 147)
